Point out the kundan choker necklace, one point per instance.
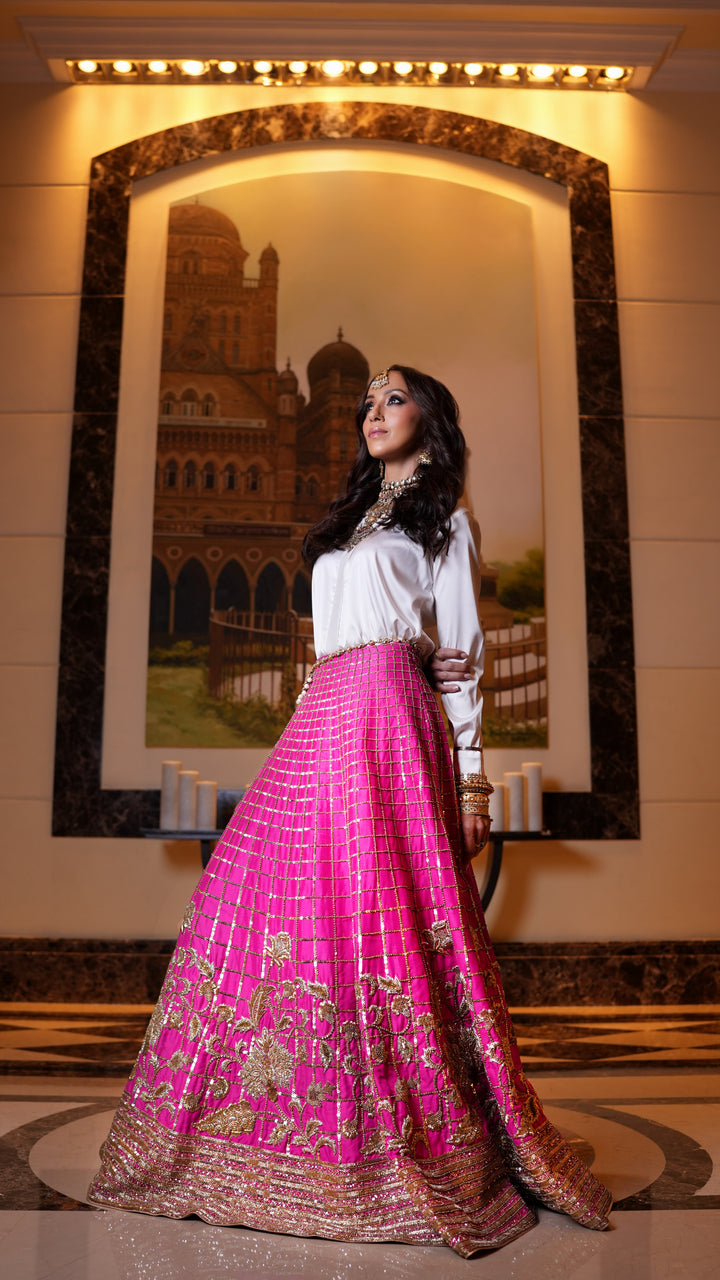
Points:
(396, 486)
(377, 514)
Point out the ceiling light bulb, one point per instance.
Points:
(332, 68)
(473, 68)
(122, 67)
(297, 68)
(157, 68)
(88, 66)
(508, 69)
(614, 73)
(541, 71)
(577, 72)
(438, 68)
(227, 68)
(262, 68)
(367, 68)
(192, 67)
(402, 68)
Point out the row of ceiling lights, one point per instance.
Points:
(157, 70)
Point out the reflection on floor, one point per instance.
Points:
(635, 1089)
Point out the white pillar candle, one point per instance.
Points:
(187, 799)
(206, 806)
(497, 807)
(533, 796)
(169, 795)
(514, 813)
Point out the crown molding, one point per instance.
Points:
(652, 50)
(57, 38)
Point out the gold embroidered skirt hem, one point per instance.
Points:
(463, 1199)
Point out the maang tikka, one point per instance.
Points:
(381, 379)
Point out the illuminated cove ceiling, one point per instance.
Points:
(81, 806)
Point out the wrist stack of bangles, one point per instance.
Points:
(473, 793)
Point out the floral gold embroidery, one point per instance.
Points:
(438, 937)
(267, 1068)
(239, 1117)
(192, 1102)
(279, 948)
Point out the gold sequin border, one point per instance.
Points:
(464, 1199)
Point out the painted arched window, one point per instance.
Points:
(235, 353)
(168, 404)
(312, 487)
(189, 403)
(230, 476)
(192, 600)
(189, 474)
(208, 406)
(171, 474)
(270, 590)
(208, 480)
(236, 323)
(232, 590)
(223, 321)
(302, 595)
(253, 480)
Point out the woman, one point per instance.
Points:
(331, 1053)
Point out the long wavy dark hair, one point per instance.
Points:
(422, 511)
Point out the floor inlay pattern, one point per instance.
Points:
(631, 1089)
(104, 1040)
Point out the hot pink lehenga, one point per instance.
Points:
(331, 1054)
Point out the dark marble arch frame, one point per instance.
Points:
(81, 807)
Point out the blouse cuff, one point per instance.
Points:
(468, 761)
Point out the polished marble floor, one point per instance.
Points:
(636, 1090)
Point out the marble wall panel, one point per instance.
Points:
(605, 505)
(666, 246)
(33, 498)
(679, 744)
(90, 485)
(37, 354)
(31, 573)
(87, 970)
(599, 377)
(654, 143)
(97, 378)
(684, 577)
(609, 604)
(81, 807)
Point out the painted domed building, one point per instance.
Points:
(244, 463)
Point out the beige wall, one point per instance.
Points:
(663, 156)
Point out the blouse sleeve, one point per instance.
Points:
(456, 576)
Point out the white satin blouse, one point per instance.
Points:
(387, 588)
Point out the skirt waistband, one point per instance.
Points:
(412, 645)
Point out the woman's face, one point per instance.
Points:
(392, 427)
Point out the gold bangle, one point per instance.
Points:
(474, 805)
(477, 781)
